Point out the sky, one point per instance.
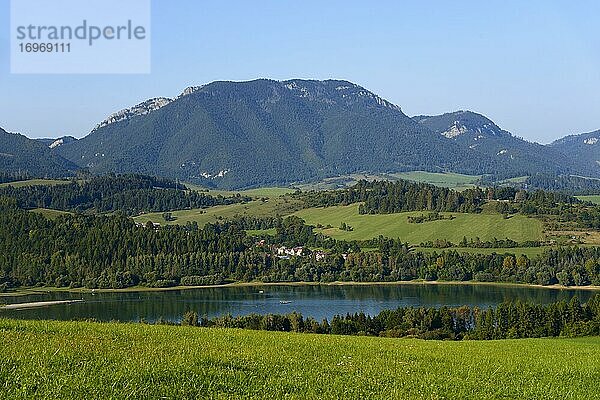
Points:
(532, 67)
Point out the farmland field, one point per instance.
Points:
(484, 226)
(75, 360)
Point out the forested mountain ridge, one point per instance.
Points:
(265, 132)
(585, 147)
(21, 155)
(481, 138)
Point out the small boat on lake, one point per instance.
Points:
(284, 302)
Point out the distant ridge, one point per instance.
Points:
(266, 132)
(20, 155)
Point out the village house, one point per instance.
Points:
(285, 251)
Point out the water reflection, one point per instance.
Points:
(316, 301)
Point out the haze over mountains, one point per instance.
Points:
(265, 132)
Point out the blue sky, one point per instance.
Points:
(533, 67)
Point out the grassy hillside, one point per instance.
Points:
(594, 198)
(484, 226)
(75, 360)
(257, 192)
(272, 207)
(50, 214)
(450, 180)
(35, 182)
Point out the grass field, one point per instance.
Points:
(272, 207)
(50, 214)
(484, 226)
(593, 199)
(258, 192)
(35, 182)
(76, 360)
(450, 180)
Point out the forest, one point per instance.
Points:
(113, 252)
(130, 194)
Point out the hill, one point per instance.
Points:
(20, 155)
(482, 139)
(484, 226)
(585, 146)
(91, 360)
(270, 133)
(56, 142)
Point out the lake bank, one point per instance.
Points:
(134, 289)
(37, 304)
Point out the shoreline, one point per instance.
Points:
(37, 304)
(134, 289)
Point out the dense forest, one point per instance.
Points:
(575, 185)
(6, 177)
(130, 194)
(112, 252)
(385, 197)
(509, 320)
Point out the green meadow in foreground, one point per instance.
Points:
(77, 360)
(484, 226)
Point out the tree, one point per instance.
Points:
(190, 318)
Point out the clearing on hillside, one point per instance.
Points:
(484, 226)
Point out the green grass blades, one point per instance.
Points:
(484, 226)
(75, 360)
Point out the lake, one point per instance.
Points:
(316, 301)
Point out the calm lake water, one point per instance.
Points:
(316, 301)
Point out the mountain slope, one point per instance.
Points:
(18, 154)
(585, 146)
(481, 138)
(265, 132)
(55, 142)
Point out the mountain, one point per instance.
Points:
(265, 132)
(506, 154)
(262, 132)
(586, 146)
(18, 154)
(55, 142)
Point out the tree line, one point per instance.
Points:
(131, 194)
(7, 177)
(508, 320)
(112, 252)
